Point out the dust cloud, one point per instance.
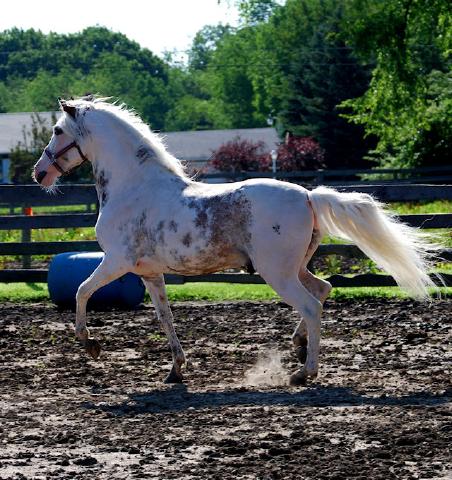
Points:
(268, 370)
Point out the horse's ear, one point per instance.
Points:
(72, 111)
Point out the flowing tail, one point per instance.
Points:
(402, 251)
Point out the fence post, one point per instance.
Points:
(26, 237)
(274, 156)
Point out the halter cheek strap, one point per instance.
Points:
(54, 156)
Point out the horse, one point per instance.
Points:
(155, 219)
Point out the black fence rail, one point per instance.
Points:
(431, 175)
(30, 195)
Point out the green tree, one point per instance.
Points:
(204, 45)
(37, 68)
(408, 104)
(215, 90)
(194, 107)
(303, 70)
(325, 74)
(254, 12)
(231, 83)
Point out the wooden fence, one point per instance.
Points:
(431, 175)
(33, 196)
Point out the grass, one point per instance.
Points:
(24, 292)
(50, 209)
(410, 208)
(212, 292)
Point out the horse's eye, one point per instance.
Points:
(57, 131)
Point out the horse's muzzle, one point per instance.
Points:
(40, 176)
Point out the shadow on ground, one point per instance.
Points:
(177, 398)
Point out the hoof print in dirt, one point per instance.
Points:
(93, 348)
(85, 461)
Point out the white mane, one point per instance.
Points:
(131, 122)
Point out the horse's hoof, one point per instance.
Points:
(174, 377)
(302, 353)
(298, 378)
(93, 348)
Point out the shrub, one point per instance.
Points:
(300, 153)
(241, 156)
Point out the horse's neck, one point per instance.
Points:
(117, 170)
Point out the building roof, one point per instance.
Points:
(192, 146)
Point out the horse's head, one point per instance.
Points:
(63, 153)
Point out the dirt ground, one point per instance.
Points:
(380, 408)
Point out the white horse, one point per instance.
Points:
(154, 219)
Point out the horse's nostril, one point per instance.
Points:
(40, 176)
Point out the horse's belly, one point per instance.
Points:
(203, 262)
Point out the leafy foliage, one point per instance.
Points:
(37, 68)
(300, 153)
(305, 70)
(253, 12)
(297, 153)
(408, 104)
(357, 76)
(241, 156)
(204, 45)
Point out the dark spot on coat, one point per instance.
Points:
(187, 240)
(223, 221)
(101, 186)
(173, 226)
(277, 229)
(201, 219)
(140, 239)
(145, 153)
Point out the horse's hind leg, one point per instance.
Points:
(317, 287)
(320, 289)
(287, 284)
(156, 288)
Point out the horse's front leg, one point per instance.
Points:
(107, 271)
(156, 288)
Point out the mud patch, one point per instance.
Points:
(379, 410)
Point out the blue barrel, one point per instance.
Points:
(68, 270)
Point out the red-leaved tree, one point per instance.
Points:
(241, 156)
(300, 153)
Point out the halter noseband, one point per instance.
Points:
(54, 156)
